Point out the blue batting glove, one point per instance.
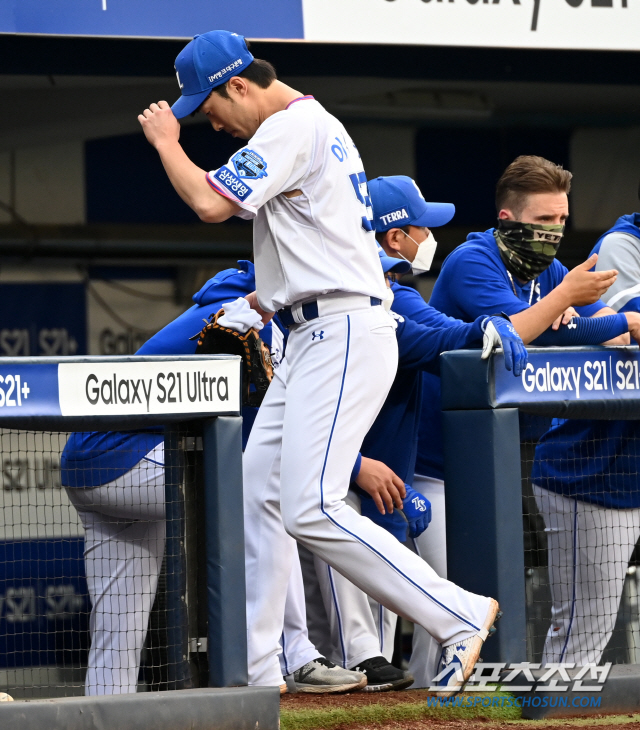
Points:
(499, 332)
(417, 510)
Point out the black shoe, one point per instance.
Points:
(383, 676)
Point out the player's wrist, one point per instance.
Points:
(167, 145)
(563, 294)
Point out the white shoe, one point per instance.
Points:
(321, 676)
(459, 659)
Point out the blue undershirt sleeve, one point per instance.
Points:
(420, 346)
(584, 331)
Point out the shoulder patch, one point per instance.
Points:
(249, 164)
(228, 180)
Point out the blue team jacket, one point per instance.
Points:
(474, 281)
(594, 461)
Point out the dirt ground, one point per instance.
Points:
(360, 699)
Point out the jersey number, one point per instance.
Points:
(359, 182)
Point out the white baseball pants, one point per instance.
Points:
(297, 650)
(297, 466)
(124, 524)
(356, 627)
(589, 549)
(431, 546)
(360, 628)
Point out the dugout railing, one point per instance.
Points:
(490, 419)
(197, 630)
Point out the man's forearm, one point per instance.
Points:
(532, 322)
(190, 183)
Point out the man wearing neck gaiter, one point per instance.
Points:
(513, 268)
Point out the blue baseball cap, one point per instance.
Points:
(209, 60)
(397, 266)
(397, 202)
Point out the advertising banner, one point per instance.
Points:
(152, 18)
(190, 385)
(572, 24)
(568, 24)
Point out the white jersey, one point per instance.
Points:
(321, 240)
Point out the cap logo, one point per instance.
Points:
(180, 84)
(219, 74)
(395, 215)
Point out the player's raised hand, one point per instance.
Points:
(586, 287)
(381, 484)
(159, 124)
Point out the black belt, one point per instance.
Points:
(310, 311)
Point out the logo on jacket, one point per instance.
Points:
(319, 335)
(249, 164)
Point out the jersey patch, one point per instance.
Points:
(228, 180)
(249, 164)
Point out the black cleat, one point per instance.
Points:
(383, 676)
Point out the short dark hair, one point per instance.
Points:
(529, 174)
(259, 72)
(380, 235)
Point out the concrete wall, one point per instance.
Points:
(606, 168)
(44, 184)
(386, 149)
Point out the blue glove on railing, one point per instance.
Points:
(417, 510)
(499, 332)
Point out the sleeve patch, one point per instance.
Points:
(229, 181)
(249, 164)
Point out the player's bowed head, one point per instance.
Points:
(219, 77)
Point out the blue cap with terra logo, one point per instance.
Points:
(397, 202)
(209, 60)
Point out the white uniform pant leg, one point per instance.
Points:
(297, 650)
(385, 622)
(333, 396)
(353, 634)
(589, 548)
(124, 546)
(269, 551)
(317, 620)
(431, 546)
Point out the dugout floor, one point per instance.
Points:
(410, 710)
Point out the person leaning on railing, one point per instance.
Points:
(586, 479)
(513, 268)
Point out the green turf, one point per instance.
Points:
(312, 719)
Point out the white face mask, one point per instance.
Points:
(426, 251)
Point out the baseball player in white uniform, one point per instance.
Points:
(301, 179)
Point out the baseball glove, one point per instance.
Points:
(257, 369)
